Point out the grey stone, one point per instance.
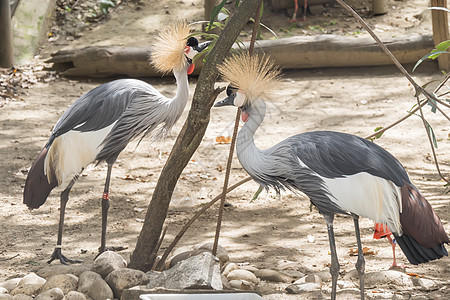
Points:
(51, 294)
(226, 285)
(243, 275)
(274, 276)
(183, 256)
(73, 295)
(152, 275)
(52, 270)
(29, 285)
(124, 278)
(200, 271)
(22, 297)
(107, 262)
(3, 290)
(66, 282)
(252, 269)
(100, 290)
(85, 281)
(387, 277)
(6, 297)
(10, 284)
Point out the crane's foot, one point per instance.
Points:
(62, 259)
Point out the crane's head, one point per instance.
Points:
(173, 50)
(191, 49)
(251, 77)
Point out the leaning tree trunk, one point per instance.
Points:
(188, 140)
(6, 50)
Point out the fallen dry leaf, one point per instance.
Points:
(223, 140)
(366, 251)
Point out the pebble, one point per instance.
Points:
(243, 275)
(124, 278)
(51, 294)
(228, 268)
(29, 285)
(222, 253)
(3, 290)
(73, 295)
(10, 284)
(374, 279)
(6, 297)
(273, 276)
(302, 288)
(22, 297)
(107, 262)
(85, 281)
(100, 290)
(65, 282)
(52, 270)
(311, 278)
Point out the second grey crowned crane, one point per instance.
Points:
(340, 173)
(101, 123)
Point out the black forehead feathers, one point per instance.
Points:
(231, 90)
(192, 41)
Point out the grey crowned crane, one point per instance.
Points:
(101, 123)
(340, 173)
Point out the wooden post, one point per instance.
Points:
(440, 31)
(6, 50)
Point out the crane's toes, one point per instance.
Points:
(63, 260)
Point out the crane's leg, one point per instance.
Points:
(294, 16)
(334, 268)
(57, 252)
(304, 10)
(105, 208)
(360, 263)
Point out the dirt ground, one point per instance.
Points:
(263, 233)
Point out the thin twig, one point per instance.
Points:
(418, 88)
(9, 258)
(192, 220)
(158, 245)
(233, 141)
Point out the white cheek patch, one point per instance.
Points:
(239, 99)
(190, 53)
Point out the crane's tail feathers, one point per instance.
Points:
(37, 186)
(423, 235)
(416, 253)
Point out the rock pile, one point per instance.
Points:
(109, 278)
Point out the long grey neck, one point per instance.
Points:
(246, 150)
(178, 103)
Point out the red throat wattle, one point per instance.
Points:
(191, 69)
(244, 116)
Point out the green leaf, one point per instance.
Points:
(432, 102)
(378, 135)
(433, 137)
(215, 12)
(433, 54)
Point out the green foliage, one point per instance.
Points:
(378, 135)
(440, 49)
(104, 5)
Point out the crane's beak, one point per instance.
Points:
(202, 46)
(227, 101)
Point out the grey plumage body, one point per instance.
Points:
(96, 128)
(343, 173)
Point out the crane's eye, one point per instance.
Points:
(231, 90)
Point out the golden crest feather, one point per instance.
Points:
(168, 48)
(256, 75)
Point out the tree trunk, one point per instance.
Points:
(188, 140)
(6, 50)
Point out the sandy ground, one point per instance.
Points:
(264, 232)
